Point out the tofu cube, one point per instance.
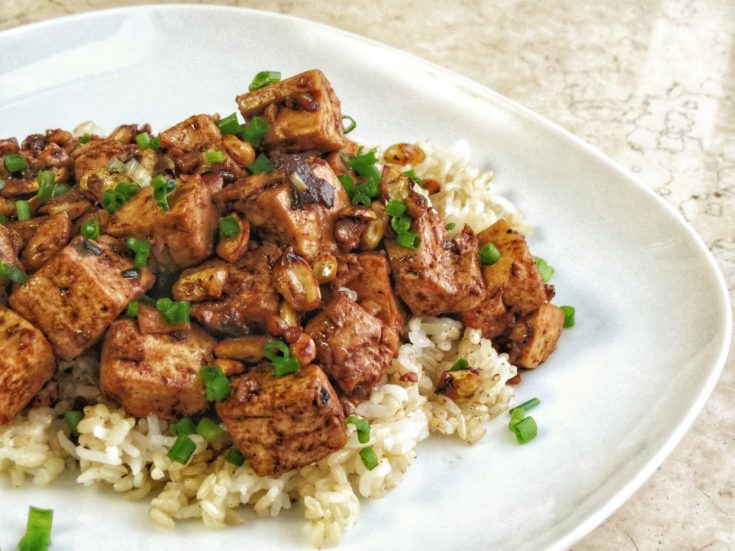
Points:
(541, 332)
(78, 293)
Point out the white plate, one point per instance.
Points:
(652, 311)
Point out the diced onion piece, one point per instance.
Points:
(137, 173)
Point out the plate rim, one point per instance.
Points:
(485, 93)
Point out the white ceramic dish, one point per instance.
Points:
(653, 313)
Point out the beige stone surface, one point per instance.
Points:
(650, 83)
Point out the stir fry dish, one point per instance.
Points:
(259, 276)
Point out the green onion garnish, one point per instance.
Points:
(235, 457)
(161, 189)
(38, 530)
(360, 199)
(544, 269)
(228, 227)
(451, 226)
(208, 429)
(525, 430)
(143, 140)
(22, 210)
(369, 459)
(516, 415)
(489, 254)
(362, 426)
(254, 131)
(526, 406)
(90, 229)
(141, 248)
(216, 383)
(59, 189)
(182, 449)
(113, 200)
(568, 316)
(364, 164)
(261, 165)
(400, 224)
(229, 124)
(155, 142)
(15, 162)
(409, 240)
(183, 426)
(351, 126)
(127, 190)
(347, 182)
(72, 418)
(45, 179)
(460, 365)
(282, 362)
(214, 157)
(174, 312)
(264, 78)
(412, 174)
(85, 138)
(3, 219)
(12, 273)
(396, 208)
(132, 309)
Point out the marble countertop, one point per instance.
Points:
(650, 83)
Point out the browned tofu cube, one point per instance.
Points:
(270, 203)
(516, 272)
(303, 113)
(92, 163)
(49, 239)
(248, 299)
(187, 141)
(442, 275)
(283, 423)
(492, 317)
(535, 338)
(353, 347)
(78, 293)
(156, 373)
(180, 237)
(368, 274)
(26, 363)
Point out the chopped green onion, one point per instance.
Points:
(347, 182)
(45, 178)
(214, 157)
(369, 187)
(351, 126)
(282, 361)
(208, 429)
(161, 189)
(132, 309)
(127, 190)
(141, 248)
(235, 457)
(182, 449)
(362, 426)
(516, 415)
(72, 418)
(400, 224)
(183, 426)
(85, 138)
(526, 406)
(396, 208)
(228, 227)
(364, 164)
(22, 210)
(568, 316)
(261, 165)
(369, 459)
(460, 365)
(155, 142)
(12, 273)
(544, 269)
(361, 199)
(409, 240)
(215, 382)
(38, 530)
(90, 229)
(254, 131)
(229, 124)
(264, 78)
(3, 219)
(525, 430)
(59, 189)
(143, 140)
(113, 200)
(412, 174)
(451, 226)
(110, 201)
(174, 312)
(489, 254)
(15, 162)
